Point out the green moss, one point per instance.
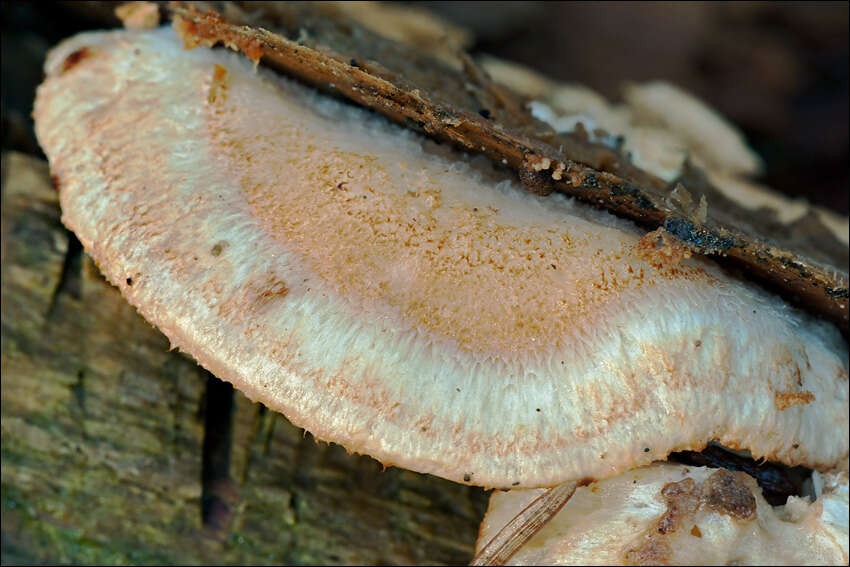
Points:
(46, 541)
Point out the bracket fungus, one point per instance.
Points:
(408, 302)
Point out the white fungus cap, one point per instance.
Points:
(406, 302)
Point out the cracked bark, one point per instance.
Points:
(111, 444)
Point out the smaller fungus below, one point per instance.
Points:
(675, 515)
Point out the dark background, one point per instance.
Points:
(779, 71)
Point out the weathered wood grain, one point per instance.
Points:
(103, 432)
